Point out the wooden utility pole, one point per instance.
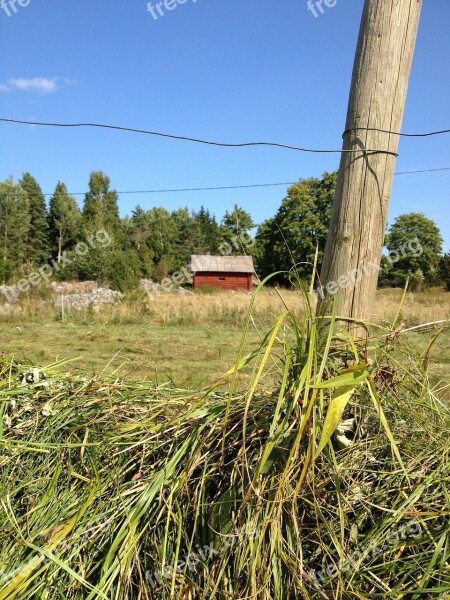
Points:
(377, 100)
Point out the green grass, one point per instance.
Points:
(189, 341)
(104, 483)
(438, 364)
(107, 485)
(188, 357)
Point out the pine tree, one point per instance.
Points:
(101, 212)
(38, 246)
(14, 230)
(209, 231)
(64, 221)
(137, 233)
(139, 227)
(188, 237)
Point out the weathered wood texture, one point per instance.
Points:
(226, 281)
(377, 99)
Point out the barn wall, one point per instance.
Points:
(226, 281)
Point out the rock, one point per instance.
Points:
(5, 309)
(94, 298)
(10, 292)
(73, 287)
(146, 284)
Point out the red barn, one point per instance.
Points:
(226, 272)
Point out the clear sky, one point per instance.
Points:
(226, 70)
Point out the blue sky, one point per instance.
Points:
(225, 70)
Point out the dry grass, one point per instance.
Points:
(418, 308)
(230, 308)
(104, 484)
(190, 339)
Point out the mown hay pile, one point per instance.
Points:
(125, 491)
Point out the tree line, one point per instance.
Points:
(153, 243)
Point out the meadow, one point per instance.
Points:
(313, 469)
(188, 341)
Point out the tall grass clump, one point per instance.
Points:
(334, 485)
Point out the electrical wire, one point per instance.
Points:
(237, 187)
(199, 189)
(237, 145)
(234, 187)
(423, 171)
(431, 133)
(200, 141)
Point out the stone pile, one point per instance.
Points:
(10, 292)
(73, 287)
(75, 295)
(146, 284)
(93, 298)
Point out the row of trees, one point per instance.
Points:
(413, 242)
(149, 243)
(153, 243)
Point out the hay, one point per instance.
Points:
(116, 490)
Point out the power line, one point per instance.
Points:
(431, 133)
(239, 145)
(199, 189)
(235, 145)
(200, 141)
(423, 171)
(236, 187)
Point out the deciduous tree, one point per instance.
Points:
(289, 240)
(235, 229)
(444, 271)
(414, 244)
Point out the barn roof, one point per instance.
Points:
(221, 264)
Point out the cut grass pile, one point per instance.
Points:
(126, 491)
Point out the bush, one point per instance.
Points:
(444, 271)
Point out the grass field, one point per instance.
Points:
(187, 341)
(123, 489)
